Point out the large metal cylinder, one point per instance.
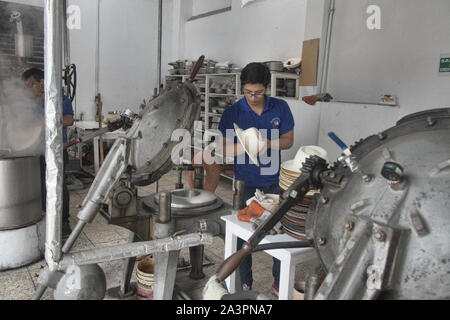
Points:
(20, 196)
(403, 208)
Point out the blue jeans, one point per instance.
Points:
(245, 268)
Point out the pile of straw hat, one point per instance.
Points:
(293, 222)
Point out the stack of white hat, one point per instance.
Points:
(291, 169)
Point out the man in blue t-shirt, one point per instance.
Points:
(273, 118)
(34, 80)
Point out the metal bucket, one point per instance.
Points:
(20, 196)
(145, 279)
(24, 45)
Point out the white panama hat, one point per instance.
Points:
(252, 141)
(303, 153)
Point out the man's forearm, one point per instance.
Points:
(283, 143)
(232, 149)
(67, 120)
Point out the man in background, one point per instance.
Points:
(34, 81)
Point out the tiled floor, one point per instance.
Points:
(20, 284)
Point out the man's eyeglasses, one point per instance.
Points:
(254, 94)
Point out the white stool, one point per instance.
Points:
(289, 258)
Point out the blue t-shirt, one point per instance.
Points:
(276, 119)
(66, 110)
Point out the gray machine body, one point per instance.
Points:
(20, 196)
(151, 148)
(389, 240)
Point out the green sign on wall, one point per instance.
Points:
(444, 64)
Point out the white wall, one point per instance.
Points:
(402, 58)
(82, 54)
(307, 119)
(204, 6)
(128, 52)
(263, 31)
(352, 122)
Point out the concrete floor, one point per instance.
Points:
(20, 284)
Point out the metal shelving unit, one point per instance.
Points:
(218, 91)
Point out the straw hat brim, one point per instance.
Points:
(240, 135)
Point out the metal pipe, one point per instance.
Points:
(66, 36)
(97, 51)
(198, 178)
(109, 173)
(53, 133)
(129, 250)
(165, 203)
(238, 195)
(326, 57)
(159, 45)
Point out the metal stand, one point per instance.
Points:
(238, 204)
(125, 288)
(165, 263)
(196, 253)
(179, 184)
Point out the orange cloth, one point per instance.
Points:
(254, 210)
(311, 100)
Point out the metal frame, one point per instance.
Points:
(54, 13)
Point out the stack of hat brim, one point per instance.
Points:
(293, 222)
(288, 176)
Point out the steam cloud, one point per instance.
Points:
(22, 121)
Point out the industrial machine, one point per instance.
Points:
(160, 224)
(380, 224)
(22, 221)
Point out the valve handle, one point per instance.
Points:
(338, 141)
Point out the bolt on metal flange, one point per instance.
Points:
(380, 236)
(349, 225)
(322, 241)
(324, 200)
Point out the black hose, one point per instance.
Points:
(282, 245)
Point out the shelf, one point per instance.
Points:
(222, 74)
(229, 80)
(213, 95)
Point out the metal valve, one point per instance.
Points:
(392, 171)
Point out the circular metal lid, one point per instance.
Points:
(186, 203)
(190, 198)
